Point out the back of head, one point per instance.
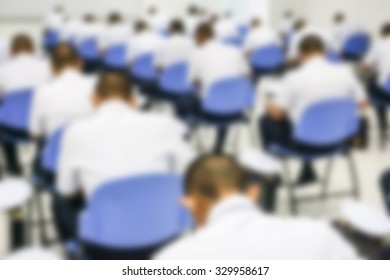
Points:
(288, 14)
(89, 18)
(152, 11)
(204, 32)
(385, 30)
(212, 176)
(339, 17)
(177, 27)
(228, 15)
(114, 84)
(300, 24)
(256, 22)
(22, 43)
(64, 56)
(114, 18)
(311, 45)
(140, 26)
(192, 10)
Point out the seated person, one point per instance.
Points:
(24, 71)
(230, 226)
(377, 63)
(343, 30)
(117, 32)
(116, 142)
(174, 49)
(315, 80)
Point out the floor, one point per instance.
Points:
(371, 163)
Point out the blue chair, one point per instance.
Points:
(15, 114)
(134, 213)
(51, 151)
(143, 69)
(356, 46)
(327, 127)
(115, 57)
(234, 41)
(173, 81)
(268, 59)
(88, 49)
(243, 30)
(333, 57)
(50, 39)
(226, 103)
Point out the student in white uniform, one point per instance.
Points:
(302, 30)
(91, 30)
(377, 62)
(213, 61)
(23, 71)
(176, 48)
(343, 30)
(71, 30)
(117, 31)
(54, 23)
(316, 79)
(118, 141)
(226, 27)
(287, 24)
(4, 49)
(144, 41)
(232, 227)
(192, 20)
(259, 36)
(66, 98)
(157, 21)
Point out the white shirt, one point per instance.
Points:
(287, 25)
(226, 28)
(71, 30)
(298, 37)
(66, 98)
(90, 30)
(147, 42)
(118, 142)
(237, 230)
(24, 71)
(215, 61)
(158, 22)
(343, 31)
(54, 21)
(116, 34)
(175, 49)
(379, 59)
(260, 37)
(191, 23)
(314, 81)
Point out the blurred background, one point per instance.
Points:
(364, 222)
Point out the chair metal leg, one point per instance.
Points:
(220, 141)
(41, 217)
(29, 222)
(291, 187)
(325, 181)
(354, 176)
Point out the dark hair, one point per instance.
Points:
(205, 30)
(114, 17)
(140, 26)
(339, 17)
(256, 22)
(114, 83)
(193, 10)
(22, 43)
(64, 55)
(89, 18)
(208, 174)
(177, 26)
(299, 24)
(385, 30)
(311, 44)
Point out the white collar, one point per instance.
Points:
(114, 106)
(230, 204)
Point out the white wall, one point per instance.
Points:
(370, 13)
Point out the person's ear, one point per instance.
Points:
(254, 192)
(95, 100)
(133, 102)
(80, 64)
(188, 203)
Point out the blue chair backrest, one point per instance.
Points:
(386, 86)
(143, 67)
(328, 123)
(51, 152)
(15, 109)
(228, 97)
(88, 48)
(115, 56)
(135, 212)
(243, 30)
(333, 57)
(51, 38)
(357, 44)
(233, 41)
(269, 57)
(174, 80)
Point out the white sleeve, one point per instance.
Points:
(357, 89)
(248, 45)
(36, 126)
(67, 184)
(194, 71)
(293, 49)
(371, 58)
(243, 64)
(283, 94)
